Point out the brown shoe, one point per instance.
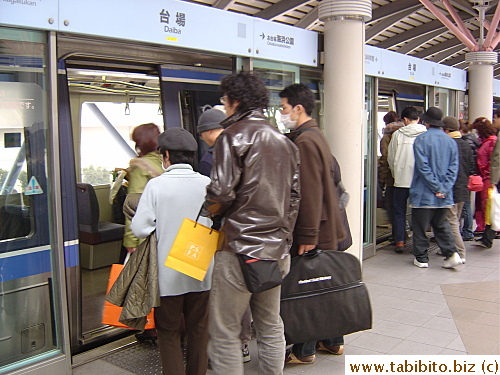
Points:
(332, 349)
(309, 360)
(400, 247)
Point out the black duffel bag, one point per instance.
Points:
(323, 297)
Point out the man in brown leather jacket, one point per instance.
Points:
(319, 223)
(255, 187)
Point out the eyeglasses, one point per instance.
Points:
(223, 99)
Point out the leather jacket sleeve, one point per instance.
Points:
(225, 176)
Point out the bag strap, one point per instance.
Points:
(198, 216)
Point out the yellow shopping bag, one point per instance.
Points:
(193, 249)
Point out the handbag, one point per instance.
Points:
(475, 183)
(323, 297)
(111, 313)
(259, 274)
(193, 249)
(493, 209)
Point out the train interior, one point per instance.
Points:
(105, 107)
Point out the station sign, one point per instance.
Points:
(168, 22)
(389, 64)
(274, 41)
(36, 14)
(496, 88)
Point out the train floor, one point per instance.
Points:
(415, 311)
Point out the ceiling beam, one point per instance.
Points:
(437, 48)
(223, 4)
(439, 57)
(443, 46)
(279, 8)
(309, 19)
(418, 41)
(425, 28)
(455, 61)
(393, 8)
(385, 23)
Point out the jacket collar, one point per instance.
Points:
(302, 128)
(179, 167)
(252, 114)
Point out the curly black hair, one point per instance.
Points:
(246, 88)
(299, 93)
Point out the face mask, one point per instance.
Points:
(287, 122)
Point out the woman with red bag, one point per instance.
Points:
(487, 134)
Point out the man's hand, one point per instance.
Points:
(305, 248)
(440, 195)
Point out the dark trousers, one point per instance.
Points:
(399, 199)
(389, 206)
(168, 317)
(435, 217)
(488, 236)
(309, 348)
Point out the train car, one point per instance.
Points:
(69, 99)
(75, 79)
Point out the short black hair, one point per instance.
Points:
(247, 89)
(180, 157)
(297, 94)
(410, 113)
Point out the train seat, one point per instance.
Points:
(100, 241)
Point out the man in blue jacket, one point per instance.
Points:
(431, 191)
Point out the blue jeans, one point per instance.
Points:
(467, 232)
(309, 348)
(399, 200)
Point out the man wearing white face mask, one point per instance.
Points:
(319, 224)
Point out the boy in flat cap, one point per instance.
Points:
(209, 129)
(167, 199)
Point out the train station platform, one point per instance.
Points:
(433, 311)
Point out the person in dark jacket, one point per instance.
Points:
(467, 215)
(460, 191)
(209, 128)
(255, 187)
(385, 178)
(319, 224)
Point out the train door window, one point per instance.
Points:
(276, 76)
(445, 99)
(106, 106)
(27, 307)
(106, 129)
(369, 157)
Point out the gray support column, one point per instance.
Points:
(481, 83)
(344, 104)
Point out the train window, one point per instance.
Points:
(23, 122)
(105, 136)
(28, 325)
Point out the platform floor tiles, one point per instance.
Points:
(415, 311)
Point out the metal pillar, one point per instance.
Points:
(481, 83)
(344, 104)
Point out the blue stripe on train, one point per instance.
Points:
(25, 265)
(71, 255)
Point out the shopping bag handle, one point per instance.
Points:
(198, 216)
